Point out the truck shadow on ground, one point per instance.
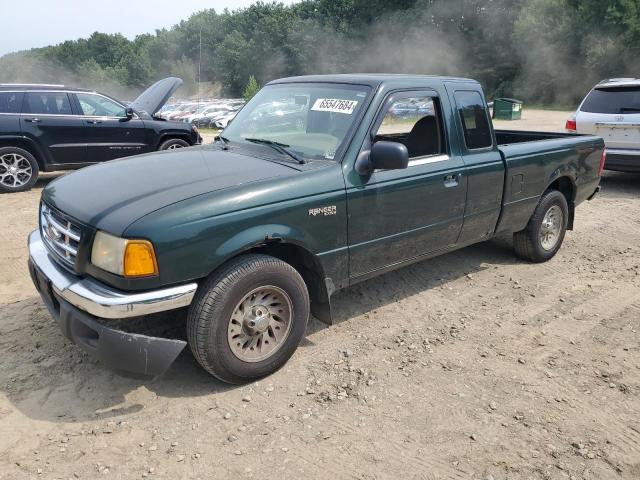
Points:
(46, 377)
(419, 277)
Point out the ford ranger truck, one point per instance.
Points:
(320, 182)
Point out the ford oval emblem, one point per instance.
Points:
(53, 232)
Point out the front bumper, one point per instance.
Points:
(100, 300)
(80, 304)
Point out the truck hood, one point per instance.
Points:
(154, 97)
(110, 196)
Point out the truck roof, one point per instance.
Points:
(371, 79)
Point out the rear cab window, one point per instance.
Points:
(10, 102)
(475, 120)
(415, 120)
(615, 101)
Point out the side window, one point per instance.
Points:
(99, 106)
(475, 121)
(415, 122)
(9, 102)
(51, 103)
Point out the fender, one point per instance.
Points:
(287, 244)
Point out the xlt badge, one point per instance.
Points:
(324, 211)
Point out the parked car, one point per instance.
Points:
(222, 121)
(208, 111)
(180, 111)
(611, 110)
(239, 240)
(52, 127)
(274, 115)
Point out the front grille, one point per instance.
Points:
(60, 235)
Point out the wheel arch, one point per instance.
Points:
(566, 185)
(171, 135)
(25, 144)
(297, 255)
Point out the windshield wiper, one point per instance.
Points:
(629, 109)
(224, 140)
(280, 147)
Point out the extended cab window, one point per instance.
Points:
(415, 122)
(475, 121)
(9, 102)
(99, 106)
(49, 103)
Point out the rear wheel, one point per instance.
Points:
(173, 144)
(247, 319)
(546, 229)
(18, 170)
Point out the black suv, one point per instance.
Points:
(52, 127)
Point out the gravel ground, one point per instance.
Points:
(473, 365)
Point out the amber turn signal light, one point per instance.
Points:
(139, 259)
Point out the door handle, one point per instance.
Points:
(94, 122)
(32, 120)
(452, 180)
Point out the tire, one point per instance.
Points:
(220, 317)
(18, 170)
(173, 143)
(543, 236)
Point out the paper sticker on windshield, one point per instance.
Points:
(335, 105)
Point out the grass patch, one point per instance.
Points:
(209, 131)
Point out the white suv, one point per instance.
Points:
(612, 111)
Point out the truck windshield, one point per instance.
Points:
(311, 120)
(613, 100)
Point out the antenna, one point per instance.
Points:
(199, 66)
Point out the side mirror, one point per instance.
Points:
(384, 156)
(128, 114)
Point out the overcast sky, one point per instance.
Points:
(38, 23)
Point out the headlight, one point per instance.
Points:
(129, 258)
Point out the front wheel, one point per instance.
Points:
(543, 236)
(247, 319)
(173, 144)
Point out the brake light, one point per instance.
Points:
(571, 125)
(603, 159)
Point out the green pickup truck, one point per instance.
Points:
(320, 182)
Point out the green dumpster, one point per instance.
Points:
(507, 109)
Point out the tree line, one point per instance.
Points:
(543, 51)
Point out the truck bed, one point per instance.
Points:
(534, 159)
(508, 137)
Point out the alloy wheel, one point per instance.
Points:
(15, 170)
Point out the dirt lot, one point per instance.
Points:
(473, 365)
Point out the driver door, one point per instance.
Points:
(109, 134)
(399, 215)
